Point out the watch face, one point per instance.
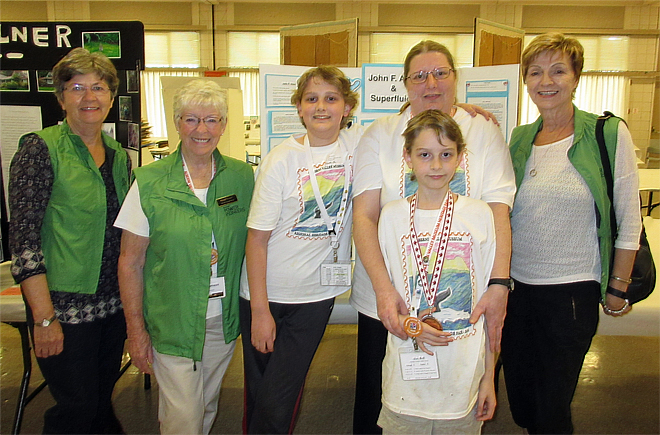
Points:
(46, 322)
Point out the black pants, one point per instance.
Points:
(82, 377)
(547, 333)
(274, 381)
(372, 342)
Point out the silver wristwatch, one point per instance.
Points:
(46, 322)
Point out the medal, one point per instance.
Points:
(432, 322)
(412, 326)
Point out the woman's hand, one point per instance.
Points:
(391, 308)
(614, 305)
(474, 110)
(263, 332)
(141, 352)
(49, 340)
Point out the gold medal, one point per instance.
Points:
(412, 326)
(214, 256)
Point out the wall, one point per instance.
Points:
(638, 19)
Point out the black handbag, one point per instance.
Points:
(643, 273)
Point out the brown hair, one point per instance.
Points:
(80, 61)
(332, 76)
(425, 46)
(554, 42)
(441, 123)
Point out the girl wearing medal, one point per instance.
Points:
(298, 249)
(439, 249)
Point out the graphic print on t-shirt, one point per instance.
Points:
(455, 294)
(459, 184)
(310, 223)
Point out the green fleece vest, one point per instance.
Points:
(584, 155)
(177, 268)
(73, 228)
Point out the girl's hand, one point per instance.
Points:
(263, 332)
(486, 400)
(430, 336)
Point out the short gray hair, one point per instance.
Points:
(200, 92)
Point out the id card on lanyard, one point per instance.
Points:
(217, 283)
(333, 272)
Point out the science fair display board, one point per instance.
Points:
(28, 53)
(382, 92)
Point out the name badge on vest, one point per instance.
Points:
(226, 200)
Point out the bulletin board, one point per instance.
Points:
(327, 43)
(496, 44)
(30, 50)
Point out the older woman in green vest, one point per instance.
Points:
(181, 255)
(66, 185)
(563, 262)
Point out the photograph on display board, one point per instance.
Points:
(45, 81)
(132, 81)
(109, 129)
(108, 43)
(134, 135)
(125, 108)
(14, 81)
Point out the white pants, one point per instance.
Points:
(189, 392)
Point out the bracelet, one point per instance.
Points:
(618, 278)
(610, 311)
(616, 293)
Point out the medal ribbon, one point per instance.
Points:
(443, 224)
(189, 182)
(334, 230)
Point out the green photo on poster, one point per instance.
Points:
(108, 43)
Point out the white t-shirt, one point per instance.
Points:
(283, 202)
(484, 173)
(131, 218)
(468, 263)
(554, 221)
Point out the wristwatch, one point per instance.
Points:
(46, 322)
(506, 282)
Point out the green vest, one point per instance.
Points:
(584, 155)
(177, 268)
(73, 228)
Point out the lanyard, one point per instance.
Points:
(189, 182)
(186, 172)
(443, 223)
(334, 230)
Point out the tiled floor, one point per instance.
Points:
(618, 391)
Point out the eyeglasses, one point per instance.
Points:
(421, 76)
(78, 89)
(211, 122)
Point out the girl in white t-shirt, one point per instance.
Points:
(439, 249)
(298, 249)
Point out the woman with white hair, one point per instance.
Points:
(181, 254)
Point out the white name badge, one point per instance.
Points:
(217, 289)
(336, 273)
(416, 365)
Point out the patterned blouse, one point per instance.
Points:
(31, 183)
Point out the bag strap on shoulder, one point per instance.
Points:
(607, 168)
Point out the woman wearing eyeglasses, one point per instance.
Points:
(66, 185)
(180, 265)
(485, 173)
